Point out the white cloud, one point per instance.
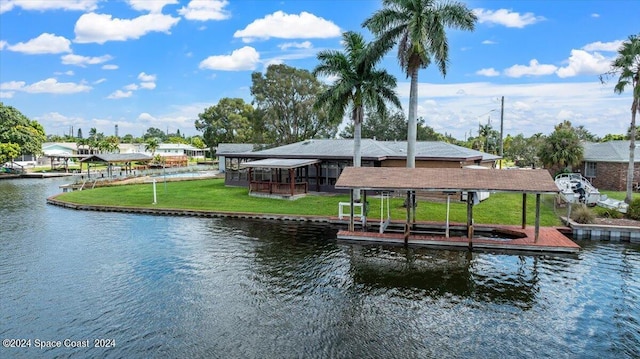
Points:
(534, 69)
(68, 73)
(489, 42)
(118, 94)
(49, 85)
(506, 17)
(203, 10)
(131, 87)
(595, 15)
(44, 44)
(44, 5)
(6, 94)
(100, 28)
(521, 106)
(611, 46)
(3, 44)
(148, 85)
(109, 67)
(564, 114)
(584, 63)
(146, 117)
(490, 72)
(99, 81)
(529, 107)
(12, 85)
(286, 26)
(83, 61)
(295, 45)
(246, 58)
(154, 6)
(146, 78)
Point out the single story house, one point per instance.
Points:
(180, 149)
(224, 148)
(605, 165)
(315, 165)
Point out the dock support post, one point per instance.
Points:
(524, 210)
(470, 218)
(537, 229)
(414, 203)
(364, 210)
(446, 228)
(351, 225)
(407, 227)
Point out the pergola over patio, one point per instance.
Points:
(448, 180)
(289, 185)
(113, 158)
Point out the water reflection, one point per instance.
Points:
(482, 277)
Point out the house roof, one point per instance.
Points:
(370, 150)
(224, 148)
(59, 145)
(610, 151)
(447, 179)
(279, 163)
(177, 146)
(117, 157)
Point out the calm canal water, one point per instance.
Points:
(180, 287)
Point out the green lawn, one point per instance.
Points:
(211, 194)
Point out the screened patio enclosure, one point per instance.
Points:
(280, 178)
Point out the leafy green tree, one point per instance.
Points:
(109, 145)
(359, 85)
(227, 122)
(427, 133)
(285, 97)
(153, 132)
(197, 142)
(152, 145)
(8, 151)
(615, 137)
(524, 151)
(562, 148)
(585, 135)
(419, 28)
(177, 139)
(381, 126)
(627, 66)
(16, 128)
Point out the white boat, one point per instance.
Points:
(574, 188)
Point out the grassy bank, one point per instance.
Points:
(212, 195)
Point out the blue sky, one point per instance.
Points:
(148, 63)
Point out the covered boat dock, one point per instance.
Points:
(111, 159)
(451, 181)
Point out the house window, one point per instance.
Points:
(590, 169)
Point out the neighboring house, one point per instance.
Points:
(605, 165)
(231, 148)
(316, 164)
(180, 149)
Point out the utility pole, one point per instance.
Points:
(501, 129)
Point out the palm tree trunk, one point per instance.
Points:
(413, 114)
(357, 139)
(632, 151)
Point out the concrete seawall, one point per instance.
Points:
(193, 213)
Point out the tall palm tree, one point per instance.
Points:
(627, 64)
(418, 26)
(152, 145)
(359, 83)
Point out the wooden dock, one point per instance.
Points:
(550, 239)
